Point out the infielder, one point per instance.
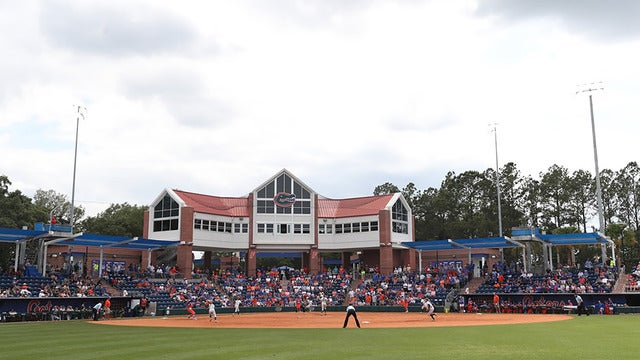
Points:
(191, 312)
(429, 308)
(212, 312)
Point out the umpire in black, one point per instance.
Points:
(351, 311)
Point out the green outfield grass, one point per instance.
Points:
(593, 337)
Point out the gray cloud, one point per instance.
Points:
(183, 94)
(605, 20)
(107, 29)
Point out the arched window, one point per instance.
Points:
(166, 214)
(400, 218)
(283, 196)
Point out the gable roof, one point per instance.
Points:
(289, 174)
(362, 206)
(327, 208)
(216, 205)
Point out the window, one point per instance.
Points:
(166, 208)
(245, 228)
(374, 226)
(236, 228)
(306, 228)
(269, 228)
(265, 207)
(261, 228)
(165, 225)
(302, 207)
(197, 224)
(265, 197)
(205, 225)
(399, 212)
(283, 210)
(400, 218)
(297, 228)
(214, 226)
(283, 228)
(347, 228)
(227, 227)
(364, 226)
(329, 228)
(356, 227)
(338, 228)
(321, 228)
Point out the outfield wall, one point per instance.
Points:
(36, 308)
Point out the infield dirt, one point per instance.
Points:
(335, 320)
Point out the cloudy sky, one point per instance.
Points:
(217, 96)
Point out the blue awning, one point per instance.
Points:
(85, 239)
(457, 244)
(574, 239)
(430, 245)
(18, 235)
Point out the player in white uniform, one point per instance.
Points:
(429, 308)
(323, 304)
(212, 311)
(237, 307)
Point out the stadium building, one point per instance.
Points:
(281, 215)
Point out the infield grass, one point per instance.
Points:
(593, 337)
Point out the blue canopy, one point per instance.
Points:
(457, 244)
(85, 239)
(118, 242)
(18, 235)
(573, 239)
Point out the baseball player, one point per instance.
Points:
(429, 308)
(212, 311)
(192, 313)
(323, 304)
(237, 307)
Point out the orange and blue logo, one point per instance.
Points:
(284, 199)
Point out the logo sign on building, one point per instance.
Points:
(284, 199)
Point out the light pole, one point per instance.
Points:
(80, 112)
(590, 88)
(495, 141)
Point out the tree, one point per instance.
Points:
(625, 241)
(119, 220)
(581, 199)
(610, 201)
(16, 211)
(627, 192)
(555, 197)
(58, 205)
(531, 206)
(513, 197)
(386, 188)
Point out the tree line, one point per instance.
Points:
(557, 201)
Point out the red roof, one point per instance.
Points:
(362, 206)
(207, 204)
(327, 208)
